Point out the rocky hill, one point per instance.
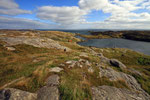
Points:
(50, 65)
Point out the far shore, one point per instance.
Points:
(131, 35)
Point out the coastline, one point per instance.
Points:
(130, 35)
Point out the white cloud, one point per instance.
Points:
(122, 15)
(21, 23)
(9, 7)
(93, 4)
(61, 15)
(122, 12)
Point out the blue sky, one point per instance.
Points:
(75, 14)
(91, 17)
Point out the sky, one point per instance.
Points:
(75, 14)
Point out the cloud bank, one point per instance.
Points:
(124, 14)
(9, 7)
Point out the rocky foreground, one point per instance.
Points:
(68, 71)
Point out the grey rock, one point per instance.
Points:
(90, 70)
(40, 42)
(116, 63)
(15, 94)
(56, 69)
(71, 63)
(112, 93)
(62, 65)
(134, 71)
(115, 76)
(100, 55)
(104, 60)
(53, 80)
(48, 93)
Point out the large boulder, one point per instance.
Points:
(48, 93)
(116, 63)
(112, 93)
(15, 94)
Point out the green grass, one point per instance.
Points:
(144, 81)
(143, 61)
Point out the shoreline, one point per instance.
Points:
(130, 35)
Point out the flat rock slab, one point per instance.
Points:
(48, 93)
(112, 93)
(56, 69)
(53, 80)
(40, 42)
(15, 94)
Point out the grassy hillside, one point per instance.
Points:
(31, 66)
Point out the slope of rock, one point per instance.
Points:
(112, 93)
(34, 41)
(115, 76)
(15, 94)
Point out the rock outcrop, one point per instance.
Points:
(50, 91)
(115, 76)
(34, 41)
(15, 94)
(112, 93)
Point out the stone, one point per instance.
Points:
(62, 65)
(90, 70)
(71, 62)
(104, 60)
(87, 63)
(48, 93)
(53, 80)
(82, 60)
(116, 63)
(10, 48)
(100, 55)
(113, 93)
(81, 66)
(15, 94)
(85, 55)
(56, 69)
